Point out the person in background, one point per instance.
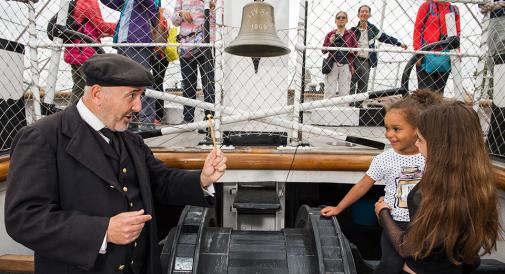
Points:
(189, 16)
(159, 64)
(496, 52)
(367, 33)
(87, 13)
(399, 168)
(136, 23)
(81, 188)
(338, 81)
(453, 209)
(431, 27)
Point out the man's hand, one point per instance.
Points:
(403, 46)
(213, 168)
(186, 16)
(125, 227)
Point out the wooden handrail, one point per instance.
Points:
(4, 167)
(17, 263)
(271, 159)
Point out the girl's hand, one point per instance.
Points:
(380, 205)
(329, 211)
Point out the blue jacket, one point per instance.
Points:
(375, 34)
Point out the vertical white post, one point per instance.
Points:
(481, 83)
(34, 65)
(381, 26)
(459, 93)
(293, 138)
(54, 62)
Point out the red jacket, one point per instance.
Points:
(349, 39)
(432, 27)
(95, 28)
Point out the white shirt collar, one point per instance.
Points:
(89, 117)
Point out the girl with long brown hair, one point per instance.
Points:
(453, 208)
(398, 168)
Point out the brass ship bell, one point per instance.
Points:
(257, 36)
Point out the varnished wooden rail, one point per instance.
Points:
(270, 159)
(16, 263)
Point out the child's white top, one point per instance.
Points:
(400, 173)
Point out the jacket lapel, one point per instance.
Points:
(84, 146)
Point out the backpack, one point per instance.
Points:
(53, 29)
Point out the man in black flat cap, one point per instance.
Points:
(80, 189)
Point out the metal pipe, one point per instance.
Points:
(381, 25)
(32, 41)
(36, 16)
(55, 55)
(294, 137)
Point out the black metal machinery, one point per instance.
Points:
(315, 245)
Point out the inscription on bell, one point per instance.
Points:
(259, 27)
(259, 11)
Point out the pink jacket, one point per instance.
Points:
(95, 28)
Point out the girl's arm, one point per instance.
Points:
(396, 235)
(356, 192)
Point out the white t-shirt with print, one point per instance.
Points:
(400, 173)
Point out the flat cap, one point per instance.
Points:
(115, 70)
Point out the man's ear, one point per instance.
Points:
(95, 92)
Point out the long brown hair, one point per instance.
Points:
(458, 209)
(412, 105)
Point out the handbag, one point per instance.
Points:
(327, 65)
(431, 62)
(436, 63)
